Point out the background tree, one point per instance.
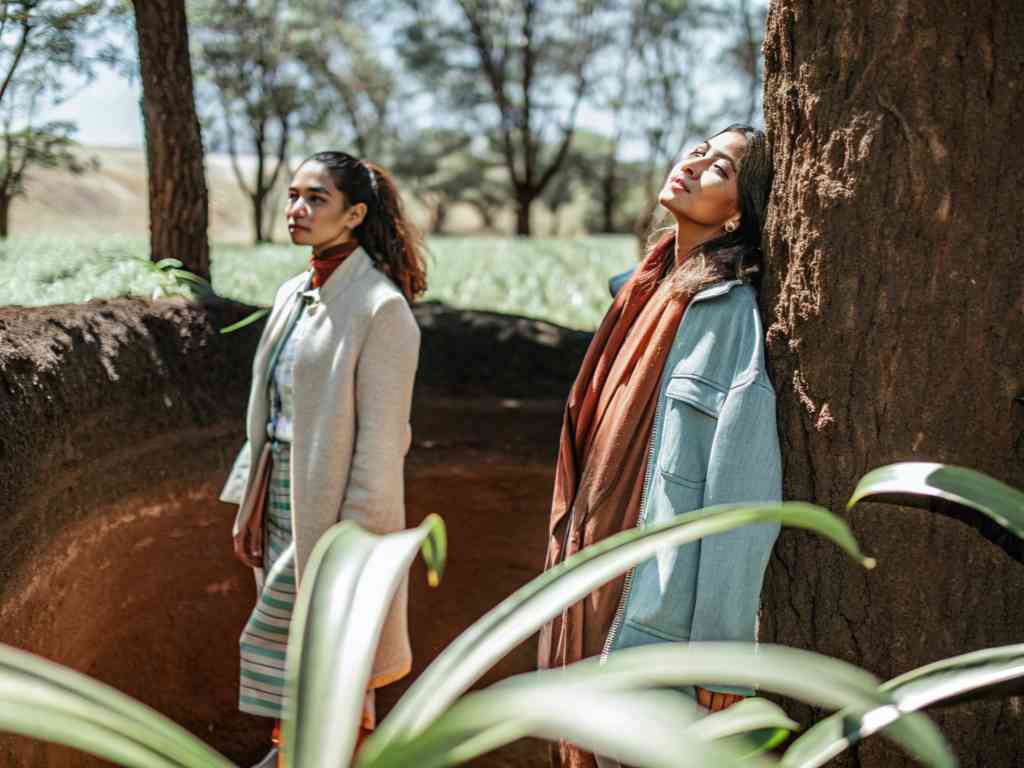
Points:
(178, 201)
(244, 60)
(447, 166)
(43, 57)
(517, 71)
(361, 96)
(895, 297)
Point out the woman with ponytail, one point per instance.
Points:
(673, 411)
(328, 417)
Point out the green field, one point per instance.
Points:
(561, 280)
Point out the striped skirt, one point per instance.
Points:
(264, 640)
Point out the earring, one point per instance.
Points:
(730, 226)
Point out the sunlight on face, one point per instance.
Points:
(702, 186)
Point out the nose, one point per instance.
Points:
(297, 208)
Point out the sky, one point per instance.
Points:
(107, 111)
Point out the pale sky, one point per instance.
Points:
(107, 111)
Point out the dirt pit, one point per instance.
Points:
(150, 600)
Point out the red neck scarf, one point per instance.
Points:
(329, 259)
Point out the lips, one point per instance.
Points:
(677, 183)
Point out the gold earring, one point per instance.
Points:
(730, 226)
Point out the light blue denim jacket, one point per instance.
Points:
(714, 441)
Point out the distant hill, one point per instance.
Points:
(113, 200)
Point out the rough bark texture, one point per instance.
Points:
(895, 299)
(178, 202)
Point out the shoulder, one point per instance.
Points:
(730, 307)
(721, 334)
(387, 306)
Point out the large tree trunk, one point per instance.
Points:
(178, 204)
(894, 291)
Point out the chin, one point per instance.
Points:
(672, 203)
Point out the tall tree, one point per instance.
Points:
(518, 71)
(178, 201)
(42, 58)
(897, 311)
(244, 53)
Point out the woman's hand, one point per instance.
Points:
(248, 544)
(716, 702)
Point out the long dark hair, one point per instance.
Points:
(736, 254)
(393, 243)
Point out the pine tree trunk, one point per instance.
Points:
(894, 294)
(178, 204)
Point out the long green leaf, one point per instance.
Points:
(247, 320)
(634, 727)
(519, 615)
(743, 717)
(350, 573)
(913, 691)
(44, 700)
(911, 482)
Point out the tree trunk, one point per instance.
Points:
(439, 218)
(258, 217)
(895, 298)
(524, 201)
(178, 203)
(5, 210)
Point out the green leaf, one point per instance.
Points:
(248, 320)
(923, 687)
(44, 700)
(915, 690)
(744, 717)
(912, 483)
(168, 264)
(350, 573)
(519, 616)
(633, 727)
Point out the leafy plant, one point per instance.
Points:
(437, 723)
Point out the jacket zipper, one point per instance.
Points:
(620, 611)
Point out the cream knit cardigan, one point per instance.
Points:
(353, 382)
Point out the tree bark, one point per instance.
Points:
(524, 201)
(5, 210)
(895, 300)
(178, 202)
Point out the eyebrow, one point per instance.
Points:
(706, 145)
(320, 190)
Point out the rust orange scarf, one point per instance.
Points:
(328, 260)
(602, 454)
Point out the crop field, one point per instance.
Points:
(560, 280)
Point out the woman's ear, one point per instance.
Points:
(354, 215)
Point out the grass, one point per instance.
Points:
(560, 280)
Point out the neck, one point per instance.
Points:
(689, 235)
(341, 239)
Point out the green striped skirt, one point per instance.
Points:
(265, 637)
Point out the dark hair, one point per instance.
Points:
(737, 254)
(393, 243)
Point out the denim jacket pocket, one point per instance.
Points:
(691, 417)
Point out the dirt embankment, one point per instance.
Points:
(120, 421)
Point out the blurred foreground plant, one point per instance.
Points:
(620, 708)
